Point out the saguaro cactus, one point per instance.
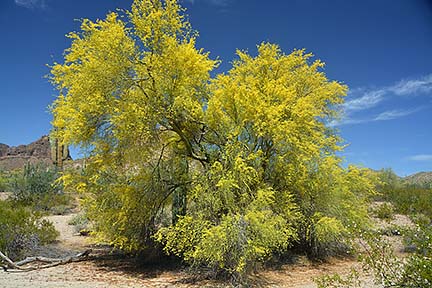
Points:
(59, 152)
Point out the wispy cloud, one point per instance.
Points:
(383, 116)
(362, 99)
(421, 157)
(409, 87)
(346, 120)
(31, 4)
(368, 100)
(393, 114)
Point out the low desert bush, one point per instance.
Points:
(352, 280)
(379, 260)
(33, 182)
(385, 211)
(37, 186)
(412, 200)
(80, 222)
(22, 230)
(3, 181)
(408, 199)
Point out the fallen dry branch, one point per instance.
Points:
(52, 262)
(9, 262)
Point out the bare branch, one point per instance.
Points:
(52, 262)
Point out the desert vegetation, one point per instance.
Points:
(225, 173)
(375, 251)
(32, 193)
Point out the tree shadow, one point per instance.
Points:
(136, 266)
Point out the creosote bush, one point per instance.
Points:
(244, 161)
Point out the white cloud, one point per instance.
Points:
(362, 99)
(421, 157)
(367, 100)
(31, 4)
(393, 114)
(371, 98)
(383, 116)
(347, 121)
(409, 87)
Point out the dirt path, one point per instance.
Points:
(68, 238)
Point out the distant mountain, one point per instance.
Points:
(420, 179)
(16, 157)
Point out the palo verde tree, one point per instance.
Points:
(243, 163)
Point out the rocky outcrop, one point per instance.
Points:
(40, 149)
(16, 157)
(422, 179)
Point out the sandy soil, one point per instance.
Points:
(68, 237)
(110, 270)
(4, 195)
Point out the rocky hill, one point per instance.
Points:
(420, 179)
(15, 157)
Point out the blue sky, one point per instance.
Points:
(382, 49)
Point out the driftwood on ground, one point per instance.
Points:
(50, 262)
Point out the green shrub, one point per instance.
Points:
(37, 186)
(35, 181)
(388, 270)
(384, 211)
(387, 180)
(377, 255)
(21, 230)
(420, 238)
(407, 198)
(418, 272)
(377, 258)
(53, 203)
(352, 280)
(3, 182)
(411, 200)
(80, 222)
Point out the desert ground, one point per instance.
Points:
(106, 268)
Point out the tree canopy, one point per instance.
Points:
(224, 170)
